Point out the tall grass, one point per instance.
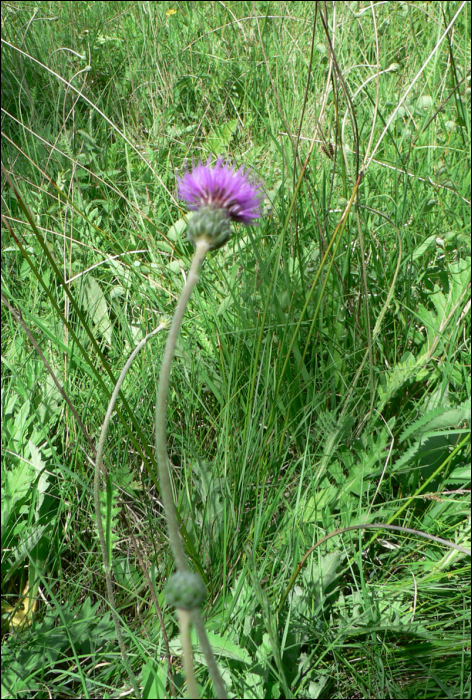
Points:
(322, 377)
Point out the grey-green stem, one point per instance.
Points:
(201, 249)
(184, 623)
(220, 690)
(98, 515)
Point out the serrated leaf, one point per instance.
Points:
(175, 266)
(211, 490)
(315, 688)
(314, 506)
(451, 417)
(352, 483)
(93, 301)
(43, 481)
(225, 305)
(109, 511)
(439, 418)
(407, 456)
(325, 569)
(16, 484)
(437, 320)
(16, 426)
(18, 555)
(459, 476)
(51, 399)
(394, 379)
(129, 578)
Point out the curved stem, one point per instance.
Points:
(201, 249)
(161, 409)
(366, 526)
(98, 514)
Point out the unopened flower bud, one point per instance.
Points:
(185, 590)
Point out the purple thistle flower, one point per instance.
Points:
(220, 194)
(222, 187)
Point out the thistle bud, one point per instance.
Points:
(185, 590)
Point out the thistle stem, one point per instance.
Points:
(98, 513)
(201, 248)
(218, 683)
(184, 624)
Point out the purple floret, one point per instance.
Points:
(222, 187)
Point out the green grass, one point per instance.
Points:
(322, 377)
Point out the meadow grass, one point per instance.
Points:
(322, 374)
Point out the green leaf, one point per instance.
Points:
(175, 266)
(396, 377)
(218, 141)
(93, 301)
(438, 418)
(428, 244)
(425, 102)
(460, 477)
(41, 474)
(177, 230)
(154, 680)
(438, 320)
(16, 485)
(225, 305)
(313, 509)
(211, 490)
(51, 399)
(19, 554)
(221, 647)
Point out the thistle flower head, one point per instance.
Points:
(219, 195)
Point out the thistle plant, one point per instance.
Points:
(218, 195)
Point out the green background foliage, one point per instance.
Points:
(322, 376)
